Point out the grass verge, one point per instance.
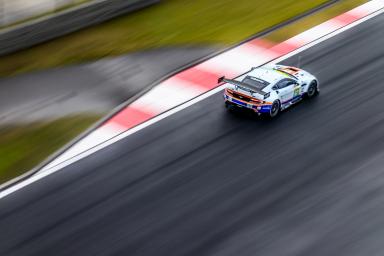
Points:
(24, 146)
(170, 23)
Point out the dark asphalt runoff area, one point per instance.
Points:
(208, 182)
(95, 88)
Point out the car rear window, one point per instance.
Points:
(255, 82)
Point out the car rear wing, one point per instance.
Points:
(242, 85)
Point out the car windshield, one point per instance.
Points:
(255, 82)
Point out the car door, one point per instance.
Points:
(287, 89)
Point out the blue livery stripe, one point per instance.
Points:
(239, 102)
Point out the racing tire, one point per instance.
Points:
(229, 106)
(312, 89)
(275, 109)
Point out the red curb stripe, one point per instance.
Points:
(130, 117)
(261, 43)
(347, 18)
(203, 79)
(284, 48)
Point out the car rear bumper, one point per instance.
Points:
(258, 108)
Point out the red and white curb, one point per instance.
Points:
(201, 78)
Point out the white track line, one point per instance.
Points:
(156, 119)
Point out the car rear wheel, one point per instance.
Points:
(275, 109)
(312, 89)
(229, 106)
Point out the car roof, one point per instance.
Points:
(268, 74)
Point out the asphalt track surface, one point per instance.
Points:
(208, 182)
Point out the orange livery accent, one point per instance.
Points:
(290, 70)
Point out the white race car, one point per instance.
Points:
(269, 89)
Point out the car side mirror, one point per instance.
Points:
(274, 87)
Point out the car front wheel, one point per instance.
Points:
(312, 89)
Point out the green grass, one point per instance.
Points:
(24, 146)
(169, 23)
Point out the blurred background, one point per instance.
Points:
(18, 11)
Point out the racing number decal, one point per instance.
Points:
(296, 92)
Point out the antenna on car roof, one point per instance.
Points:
(299, 60)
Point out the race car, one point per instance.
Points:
(269, 89)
